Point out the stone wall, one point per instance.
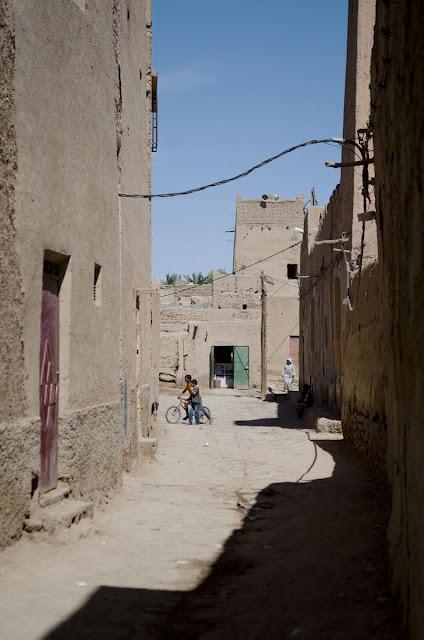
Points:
(397, 122)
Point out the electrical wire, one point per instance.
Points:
(219, 183)
(355, 151)
(226, 275)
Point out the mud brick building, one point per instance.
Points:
(78, 312)
(214, 331)
(362, 320)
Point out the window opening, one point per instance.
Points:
(97, 284)
(292, 271)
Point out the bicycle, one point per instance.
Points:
(173, 414)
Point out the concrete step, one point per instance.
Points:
(323, 420)
(59, 516)
(54, 496)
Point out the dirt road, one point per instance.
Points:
(251, 528)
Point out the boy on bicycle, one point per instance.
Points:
(196, 403)
(187, 388)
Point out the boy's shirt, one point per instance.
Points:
(195, 395)
(188, 388)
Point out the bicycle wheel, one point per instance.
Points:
(205, 415)
(173, 415)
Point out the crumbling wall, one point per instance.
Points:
(61, 166)
(364, 354)
(397, 121)
(15, 477)
(342, 304)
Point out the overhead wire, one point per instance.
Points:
(353, 149)
(227, 275)
(243, 174)
(357, 149)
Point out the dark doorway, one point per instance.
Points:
(230, 367)
(223, 369)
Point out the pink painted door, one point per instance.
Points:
(49, 380)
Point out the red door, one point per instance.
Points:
(49, 378)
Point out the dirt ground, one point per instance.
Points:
(254, 527)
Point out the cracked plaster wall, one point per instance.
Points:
(397, 120)
(342, 351)
(60, 167)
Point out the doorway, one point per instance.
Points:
(54, 269)
(229, 367)
(49, 376)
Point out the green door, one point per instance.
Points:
(241, 367)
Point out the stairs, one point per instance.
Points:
(56, 510)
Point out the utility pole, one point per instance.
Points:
(263, 337)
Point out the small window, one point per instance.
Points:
(292, 271)
(244, 306)
(97, 284)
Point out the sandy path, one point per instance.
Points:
(308, 561)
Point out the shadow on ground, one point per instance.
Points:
(309, 562)
(286, 415)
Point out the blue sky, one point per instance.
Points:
(240, 80)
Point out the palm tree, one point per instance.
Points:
(199, 278)
(171, 278)
(196, 278)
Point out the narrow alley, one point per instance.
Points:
(252, 527)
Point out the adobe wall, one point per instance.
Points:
(397, 120)
(321, 309)
(153, 403)
(361, 393)
(237, 333)
(132, 49)
(13, 483)
(90, 64)
(364, 408)
(283, 322)
(263, 228)
(217, 312)
(342, 348)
